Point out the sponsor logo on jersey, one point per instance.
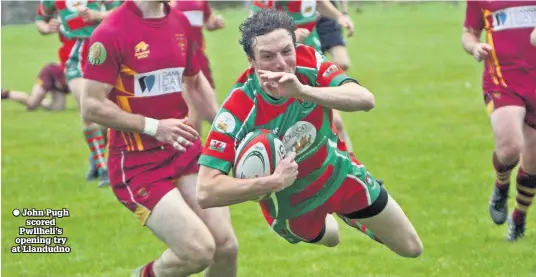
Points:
(217, 145)
(299, 137)
(141, 50)
(225, 123)
(97, 54)
(514, 17)
(158, 82)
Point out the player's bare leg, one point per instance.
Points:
(56, 102)
(526, 185)
(95, 139)
(340, 56)
(393, 228)
(331, 236)
(507, 125)
(191, 246)
(32, 101)
(218, 221)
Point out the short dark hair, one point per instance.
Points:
(263, 22)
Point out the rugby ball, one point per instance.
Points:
(258, 154)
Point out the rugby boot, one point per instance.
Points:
(498, 208)
(103, 178)
(5, 94)
(137, 272)
(515, 230)
(93, 172)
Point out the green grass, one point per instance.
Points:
(428, 138)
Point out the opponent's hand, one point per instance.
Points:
(281, 84)
(285, 173)
(346, 22)
(216, 22)
(53, 26)
(301, 34)
(481, 51)
(176, 132)
(87, 14)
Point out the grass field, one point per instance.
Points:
(428, 138)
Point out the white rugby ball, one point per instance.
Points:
(258, 155)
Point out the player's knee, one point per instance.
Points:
(197, 255)
(508, 150)
(227, 249)
(344, 64)
(331, 236)
(412, 247)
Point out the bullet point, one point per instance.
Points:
(16, 212)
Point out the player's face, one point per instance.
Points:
(274, 52)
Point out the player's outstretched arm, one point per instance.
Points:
(348, 97)
(216, 189)
(533, 37)
(97, 108)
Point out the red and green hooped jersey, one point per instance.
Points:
(302, 126)
(302, 11)
(72, 24)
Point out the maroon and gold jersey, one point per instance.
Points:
(508, 25)
(145, 61)
(197, 12)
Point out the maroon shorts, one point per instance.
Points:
(520, 91)
(205, 67)
(140, 179)
(52, 77)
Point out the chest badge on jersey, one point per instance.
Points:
(299, 137)
(308, 8)
(181, 42)
(73, 5)
(141, 50)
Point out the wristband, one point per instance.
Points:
(151, 126)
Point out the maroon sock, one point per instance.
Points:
(503, 173)
(148, 270)
(526, 189)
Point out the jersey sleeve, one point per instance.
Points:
(45, 10)
(329, 74)
(227, 129)
(111, 4)
(473, 16)
(104, 58)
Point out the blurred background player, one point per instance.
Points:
(77, 20)
(51, 79)
(143, 79)
(330, 35)
(200, 15)
(510, 97)
(304, 14)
